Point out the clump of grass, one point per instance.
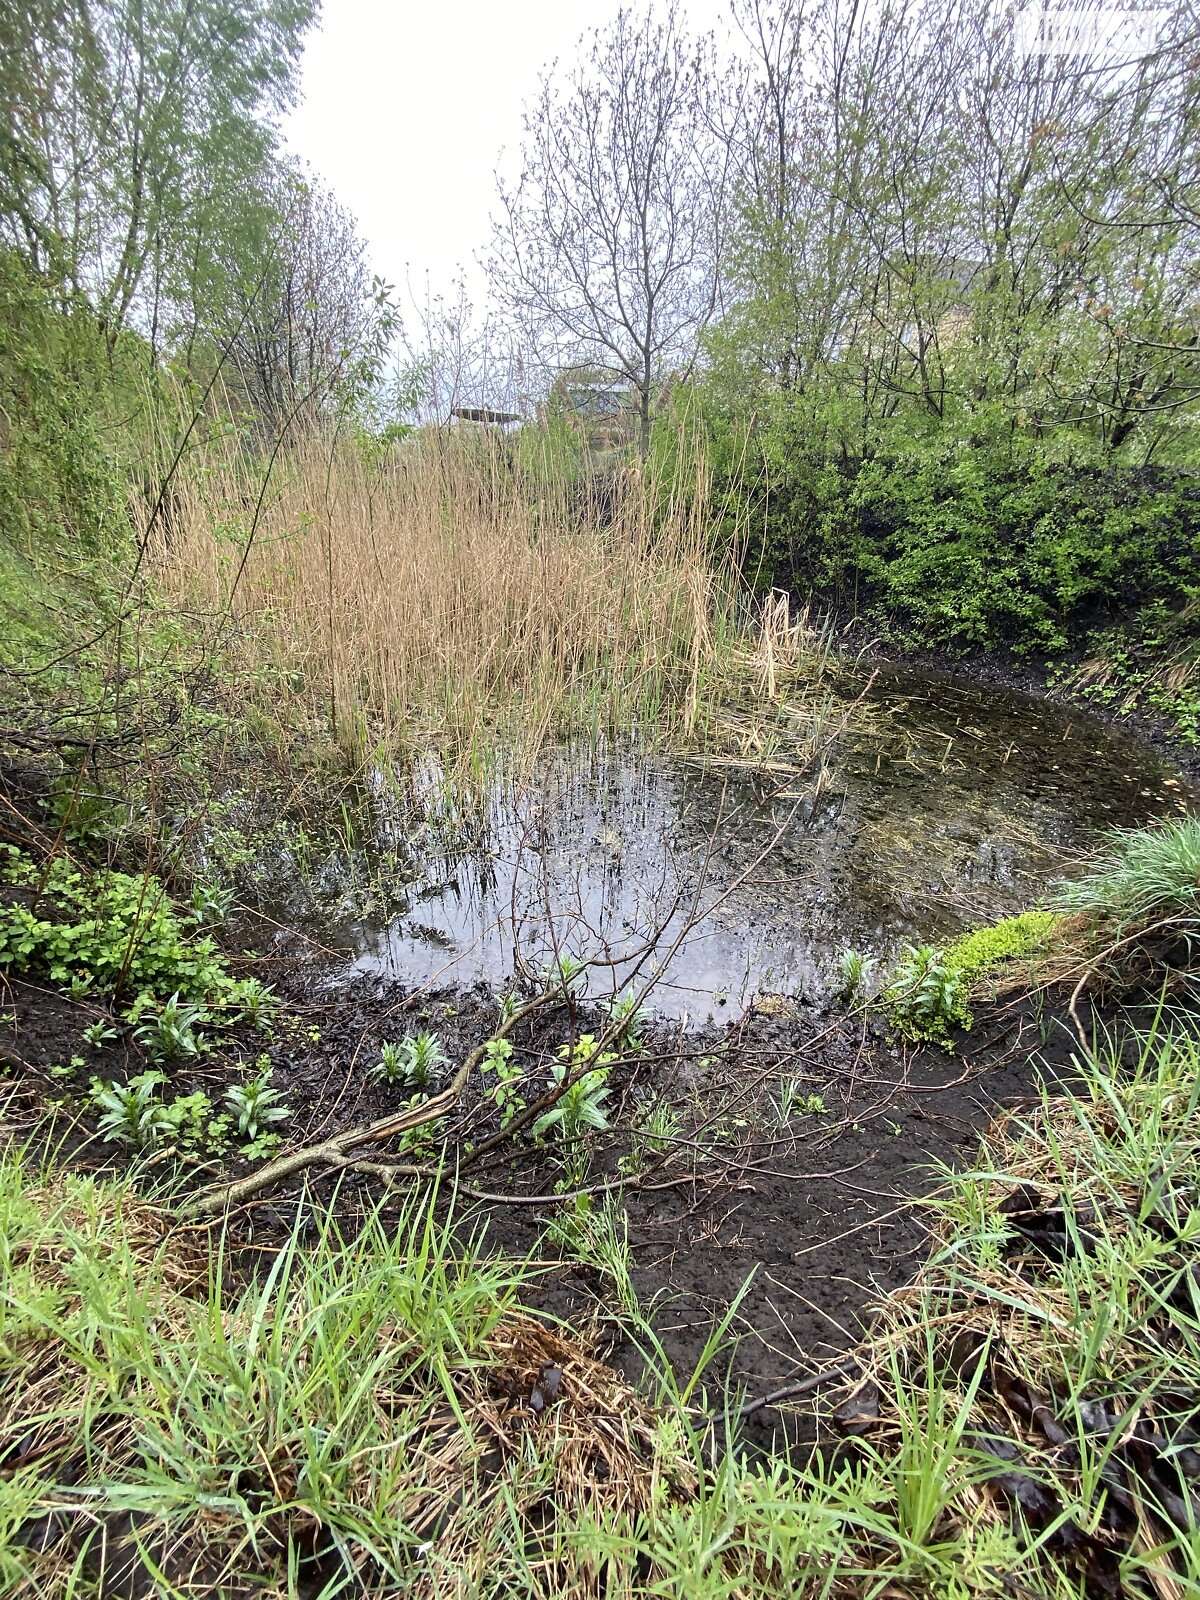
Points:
(1146, 874)
(1025, 1407)
(658, 1131)
(321, 1420)
(792, 1102)
(598, 1236)
(1067, 1335)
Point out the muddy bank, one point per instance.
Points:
(763, 1140)
(801, 1141)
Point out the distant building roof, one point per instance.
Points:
(485, 414)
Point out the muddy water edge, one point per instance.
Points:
(806, 1135)
(801, 1136)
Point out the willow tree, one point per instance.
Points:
(136, 135)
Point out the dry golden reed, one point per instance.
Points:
(448, 597)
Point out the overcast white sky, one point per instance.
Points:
(407, 105)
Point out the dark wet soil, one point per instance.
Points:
(812, 1224)
(810, 1221)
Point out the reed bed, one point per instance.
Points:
(450, 596)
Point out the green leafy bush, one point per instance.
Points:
(415, 1061)
(580, 1107)
(926, 994)
(132, 1113)
(255, 1106)
(118, 930)
(170, 1032)
(964, 549)
(254, 1001)
(507, 1096)
(1151, 661)
(424, 1059)
(59, 478)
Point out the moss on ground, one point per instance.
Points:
(983, 950)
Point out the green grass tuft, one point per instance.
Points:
(1147, 874)
(378, 1411)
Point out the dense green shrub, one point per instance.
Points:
(962, 549)
(964, 554)
(116, 930)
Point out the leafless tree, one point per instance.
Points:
(314, 328)
(608, 247)
(459, 355)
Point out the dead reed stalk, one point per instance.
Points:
(446, 597)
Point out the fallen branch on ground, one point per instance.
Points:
(794, 1391)
(338, 1151)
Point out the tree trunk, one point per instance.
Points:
(643, 422)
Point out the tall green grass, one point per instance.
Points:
(1144, 874)
(171, 1423)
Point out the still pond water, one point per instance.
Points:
(941, 805)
